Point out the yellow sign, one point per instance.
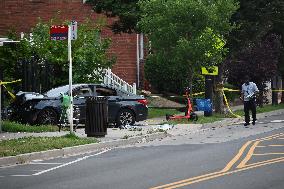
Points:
(210, 71)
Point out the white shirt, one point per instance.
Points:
(249, 90)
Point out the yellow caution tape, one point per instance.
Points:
(235, 90)
(195, 94)
(227, 104)
(232, 90)
(10, 93)
(4, 83)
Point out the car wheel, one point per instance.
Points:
(47, 116)
(125, 117)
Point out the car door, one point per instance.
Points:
(113, 100)
(79, 99)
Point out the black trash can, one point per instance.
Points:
(96, 117)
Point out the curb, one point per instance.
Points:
(77, 150)
(90, 148)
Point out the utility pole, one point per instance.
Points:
(209, 75)
(274, 87)
(208, 92)
(0, 107)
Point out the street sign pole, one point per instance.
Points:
(63, 32)
(0, 108)
(70, 78)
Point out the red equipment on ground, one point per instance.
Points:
(189, 113)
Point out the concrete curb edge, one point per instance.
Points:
(77, 150)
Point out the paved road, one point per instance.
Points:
(231, 157)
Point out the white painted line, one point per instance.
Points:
(2, 176)
(72, 162)
(276, 145)
(277, 121)
(20, 175)
(39, 163)
(37, 160)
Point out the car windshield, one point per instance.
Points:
(56, 91)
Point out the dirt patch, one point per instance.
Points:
(161, 102)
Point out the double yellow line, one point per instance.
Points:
(228, 168)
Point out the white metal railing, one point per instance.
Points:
(110, 79)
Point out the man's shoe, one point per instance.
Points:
(246, 124)
(253, 122)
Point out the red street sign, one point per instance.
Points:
(59, 32)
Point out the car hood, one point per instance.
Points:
(22, 97)
(29, 95)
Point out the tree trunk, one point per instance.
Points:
(218, 102)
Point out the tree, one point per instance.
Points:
(258, 61)
(186, 32)
(258, 19)
(127, 11)
(88, 51)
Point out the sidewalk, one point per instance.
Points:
(142, 132)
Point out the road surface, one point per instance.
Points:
(232, 157)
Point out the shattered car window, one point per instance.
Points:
(56, 91)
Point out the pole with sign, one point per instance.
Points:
(74, 29)
(0, 107)
(70, 77)
(63, 32)
(209, 74)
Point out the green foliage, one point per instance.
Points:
(13, 127)
(161, 112)
(166, 75)
(257, 19)
(35, 144)
(71, 136)
(88, 52)
(127, 12)
(185, 35)
(201, 120)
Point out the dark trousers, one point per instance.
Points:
(250, 105)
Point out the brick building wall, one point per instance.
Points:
(21, 15)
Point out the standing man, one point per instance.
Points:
(249, 91)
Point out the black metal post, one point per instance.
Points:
(274, 92)
(208, 91)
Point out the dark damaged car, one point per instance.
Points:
(35, 108)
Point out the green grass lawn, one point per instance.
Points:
(265, 108)
(160, 112)
(14, 127)
(201, 119)
(35, 144)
